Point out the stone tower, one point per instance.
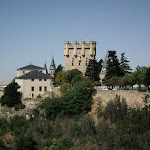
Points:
(77, 56)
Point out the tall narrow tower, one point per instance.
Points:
(52, 67)
(77, 56)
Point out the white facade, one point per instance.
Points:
(34, 81)
(31, 88)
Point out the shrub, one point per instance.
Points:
(26, 142)
(75, 101)
(11, 96)
(116, 110)
(17, 124)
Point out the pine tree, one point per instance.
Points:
(125, 68)
(11, 96)
(92, 71)
(113, 66)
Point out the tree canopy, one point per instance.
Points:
(92, 70)
(11, 95)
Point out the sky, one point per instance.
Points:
(34, 30)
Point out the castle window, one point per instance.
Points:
(86, 64)
(45, 79)
(32, 79)
(40, 79)
(32, 88)
(45, 88)
(79, 64)
(32, 95)
(72, 64)
(40, 88)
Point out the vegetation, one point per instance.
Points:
(11, 95)
(70, 76)
(75, 100)
(92, 70)
(118, 127)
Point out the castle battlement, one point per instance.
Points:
(78, 55)
(91, 47)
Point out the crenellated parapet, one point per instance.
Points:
(78, 55)
(80, 49)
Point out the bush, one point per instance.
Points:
(11, 96)
(75, 101)
(26, 142)
(116, 110)
(17, 124)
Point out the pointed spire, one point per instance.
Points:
(52, 66)
(45, 67)
(105, 61)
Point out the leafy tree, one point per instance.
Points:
(75, 101)
(11, 96)
(74, 73)
(64, 87)
(92, 70)
(70, 76)
(58, 69)
(125, 68)
(113, 81)
(61, 78)
(147, 78)
(132, 79)
(140, 75)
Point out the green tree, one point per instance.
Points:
(75, 101)
(58, 69)
(92, 70)
(11, 95)
(113, 81)
(73, 74)
(113, 66)
(140, 75)
(147, 78)
(61, 78)
(125, 68)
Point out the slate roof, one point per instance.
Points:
(52, 66)
(35, 74)
(105, 61)
(32, 67)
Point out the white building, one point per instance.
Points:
(34, 81)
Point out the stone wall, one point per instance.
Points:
(133, 98)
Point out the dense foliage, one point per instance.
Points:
(75, 100)
(117, 127)
(92, 70)
(70, 76)
(11, 95)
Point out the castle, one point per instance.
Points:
(35, 81)
(77, 56)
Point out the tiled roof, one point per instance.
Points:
(34, 74)
(30, 67)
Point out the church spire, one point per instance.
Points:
(45, 67)
(52, 66)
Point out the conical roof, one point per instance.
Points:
(52, 66)
(45, 67)
(105, 61)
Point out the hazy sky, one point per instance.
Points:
(31, 30)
